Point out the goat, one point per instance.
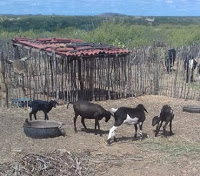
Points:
(39, 105)
(189, 65)
(170, 58)
(166, 115)
(19, 65)
(198, 71)
(125, 115)
(88, 110)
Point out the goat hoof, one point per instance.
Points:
(108, 142)
(115, 139)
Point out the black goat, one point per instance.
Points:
(39, 105)
(127, 116)
(166, 115)
(88, 110)
(169, 59)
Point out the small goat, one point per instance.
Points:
(127, 116)
(166, 115)
(88, 110)
(39, 105)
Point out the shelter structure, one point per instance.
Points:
(67, 69)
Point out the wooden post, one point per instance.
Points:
(16, 52)
(54, 73)
(3, 85)
(91, 81)
(80, 78)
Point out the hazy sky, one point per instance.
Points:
(96, 7)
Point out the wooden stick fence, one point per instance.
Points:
(102, 77)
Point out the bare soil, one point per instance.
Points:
(176, 155)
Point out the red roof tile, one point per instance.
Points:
(70, 47)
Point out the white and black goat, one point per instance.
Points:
(166, 115)
(88, 110)
(189, 65)
(40, 105)
(126, 115)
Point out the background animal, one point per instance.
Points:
(198, 71)
(88, 110)
(169, 59)
(39, 105)
(126, 115)
(19, 65)
(189, 65)
(166, 115)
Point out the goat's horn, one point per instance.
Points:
(24, 58)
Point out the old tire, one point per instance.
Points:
(192, 109)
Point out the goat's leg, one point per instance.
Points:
(135, 125)
(83, 122)
(140, 127)
(46, 116)
(170, 126)
(111, 134)
(164, 128)
(187, 75)
(75, 129)
(192, 76)
(35, 116)
(30, 116)
(158, 128)
(97, 124)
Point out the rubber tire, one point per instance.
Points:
(192, 109)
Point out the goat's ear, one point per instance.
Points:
(24, 58)
(145, 109)
(56, 100)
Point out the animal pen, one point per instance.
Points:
(67, 69)
(71, 70)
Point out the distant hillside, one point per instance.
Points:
(110, 14)
(51, 23)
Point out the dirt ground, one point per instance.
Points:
(175, 155)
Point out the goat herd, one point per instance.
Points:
(122, 115)
(190, 64)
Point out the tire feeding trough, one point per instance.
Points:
(191, 109)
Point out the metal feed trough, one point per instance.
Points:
(43, 129)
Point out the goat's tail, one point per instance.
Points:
(145, 110)
(29, 106)
(29, 109)
(68, 104)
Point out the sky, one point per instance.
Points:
(96, 7)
